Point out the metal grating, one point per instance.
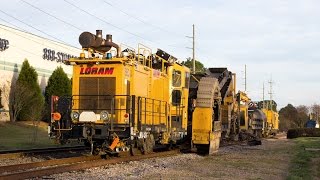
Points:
(96, 93)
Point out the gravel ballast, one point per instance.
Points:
(267, 161)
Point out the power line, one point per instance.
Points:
(86, 12)
(35, 7)
(23, 30)
(37, 55)
(32, 27)
(122, 29)
(65, 22)
(29, 38)
(139, 19)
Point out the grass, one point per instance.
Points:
(23, 135)
(305, 164)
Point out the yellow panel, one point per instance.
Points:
(244, 109)
(201, 125)
(140, 83)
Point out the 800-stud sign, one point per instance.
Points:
(51, 55)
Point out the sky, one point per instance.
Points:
(277, 40)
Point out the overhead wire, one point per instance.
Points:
(32, 26)
(91, 14)
(139, 19)
(117, 27)
(61, 20)
(57, 43)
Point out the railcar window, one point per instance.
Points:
(176, 97)
(187, 80)
(242, 118)
(176, 78)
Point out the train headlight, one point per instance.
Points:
(104, 115)
(75, 116)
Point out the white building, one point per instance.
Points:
(43, 54)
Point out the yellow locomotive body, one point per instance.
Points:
(272, 123)
(125, 100)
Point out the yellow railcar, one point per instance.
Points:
(124, 100)
(271, 126)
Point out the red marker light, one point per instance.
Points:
(126, 115)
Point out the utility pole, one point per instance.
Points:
(263, 95)
(193, 50)
(270, 93)
(245, 78)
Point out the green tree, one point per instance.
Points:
(287, 116)
(199, 66)
(58, 85)
(293, 117)
(33, 99)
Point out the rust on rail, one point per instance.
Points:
(76, 166)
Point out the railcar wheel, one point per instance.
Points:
(148, 145)
(133, 151)
(96, 151)
(144, 148)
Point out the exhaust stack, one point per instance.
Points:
(96, 42)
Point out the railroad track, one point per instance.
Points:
(24, 152)
(45, 168)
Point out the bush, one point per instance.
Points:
(31, 104)
(58, 85)
(303, 132)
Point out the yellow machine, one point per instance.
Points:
(123, 100)
(206, 118)
(213, 99)
(243, 107)
(251, 118)
(218, 111)
(271, 127)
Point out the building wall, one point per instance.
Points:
(16, 46)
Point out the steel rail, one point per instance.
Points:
(76, 166)
(23, 152)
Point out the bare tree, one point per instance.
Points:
(5, 95)
(5, 92)
(315, 110)
(302, 118)
(35, 116)
(19, 97)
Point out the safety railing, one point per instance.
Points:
(142, 112)
(151, 112)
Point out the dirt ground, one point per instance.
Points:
(267, 161)
(270, 160)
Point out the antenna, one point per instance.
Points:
(193, 53)
(263, 95)
(245, 78)
(193, 50)
(270, 92)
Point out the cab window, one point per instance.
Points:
(176, 78)
(187, 80)
(176, 97)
